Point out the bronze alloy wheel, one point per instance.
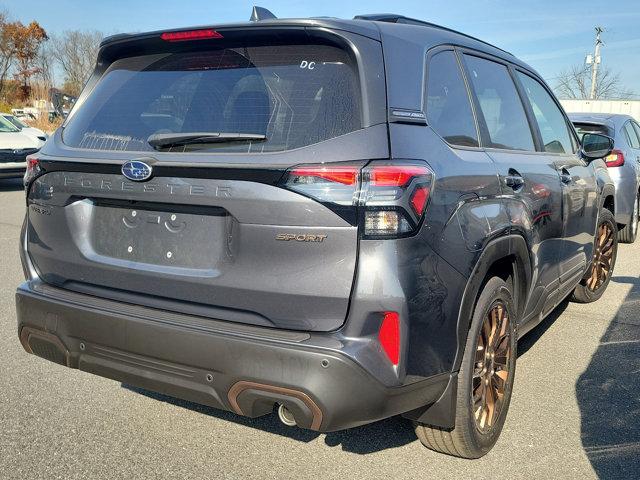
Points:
(491, 369)
(485, 379)
(602, 263)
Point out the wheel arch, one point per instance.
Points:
(609, 202)
(505, 257)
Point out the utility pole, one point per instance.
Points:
(595, 61)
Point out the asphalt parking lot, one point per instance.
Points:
(575, 412)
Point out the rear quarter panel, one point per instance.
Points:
(465, 213)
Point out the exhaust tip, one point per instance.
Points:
(286, 416)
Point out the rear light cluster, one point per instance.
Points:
(32, 171)
(614, 159)
(391, 198)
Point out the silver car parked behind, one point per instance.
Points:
(623, 163)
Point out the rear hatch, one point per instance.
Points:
(220, 117)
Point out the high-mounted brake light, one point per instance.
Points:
(389, 197)
(185, 35)
(389, 336)
(614, 159)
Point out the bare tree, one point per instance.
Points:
(76, 51)
(575, 83)
(45, 64)
(44, 78)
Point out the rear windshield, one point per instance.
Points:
(583, 128)
(295, 95)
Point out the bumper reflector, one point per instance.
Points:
(389, 336)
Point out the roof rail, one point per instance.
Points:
(394, 18)
(259, 13)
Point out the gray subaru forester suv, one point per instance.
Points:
(343, 220)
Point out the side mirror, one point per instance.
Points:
(595, 146)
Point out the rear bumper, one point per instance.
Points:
(239, 368)
(626, 192)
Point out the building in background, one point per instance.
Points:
(627, 107)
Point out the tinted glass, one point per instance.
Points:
(448, 106)
(500, 104)
(15, 121)
(296, 95)
(6, 126)
(551, 122)
(631, 135)
(637, 128)
(583, 128)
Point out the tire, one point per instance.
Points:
(587, 291)
(629, 233)
(469, 439)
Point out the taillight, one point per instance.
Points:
(614, 159)
(419, 199)
(185, 35)
(32, 171)
(389, 336)
(327, 183)
(392, 197)
(394, 175)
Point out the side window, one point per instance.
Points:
(501, 107)
(632, 136)
(448, 106)
(551, 122)
(500, 103)
(637, 128)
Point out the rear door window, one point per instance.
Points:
(552, 124)
(448, 107)
(501, 107)
(636, 128)
(632, 136)
(295, 95)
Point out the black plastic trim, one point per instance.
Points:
(203, 365)
(269, 176)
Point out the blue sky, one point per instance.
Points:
(550, 35)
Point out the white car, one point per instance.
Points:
(24, 128)
(14, 148)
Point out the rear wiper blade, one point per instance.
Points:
(164, 140)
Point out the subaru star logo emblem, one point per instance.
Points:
(136, 170)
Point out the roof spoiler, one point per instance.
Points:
(260, 13)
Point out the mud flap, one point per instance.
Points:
(442, 413)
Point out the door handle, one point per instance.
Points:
(514, 181)
(565, 176)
